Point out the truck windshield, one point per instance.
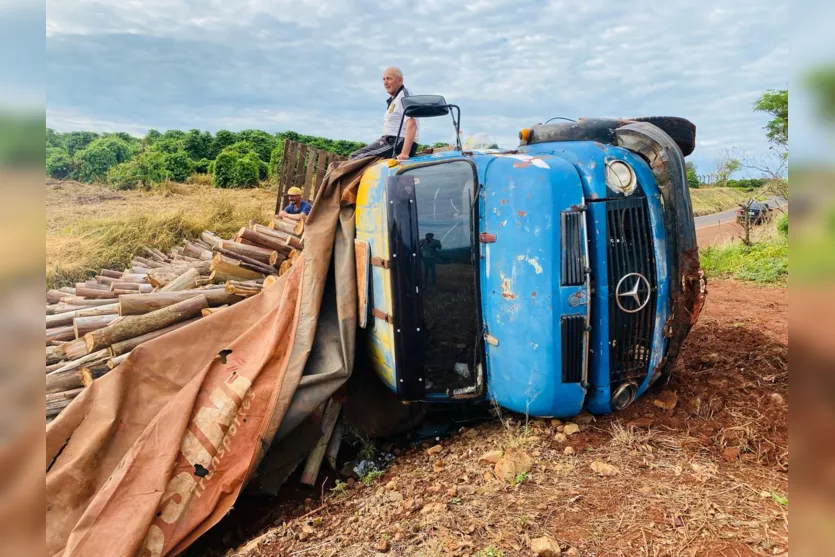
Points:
(444, 194)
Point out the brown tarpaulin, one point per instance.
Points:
(154, 453)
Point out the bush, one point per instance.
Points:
(198, 144)
(275, 161)
(747, 183)
(764, 262)
(76, 141)
(260, 141)
(94, 161)
(178, 166)
(783, 225)
(249, 170)
(223, 139)
(225, 169)
(201, 166)
(58, 163)
(147, 169)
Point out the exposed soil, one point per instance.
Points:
(699, 467)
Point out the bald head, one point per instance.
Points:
(392, 79)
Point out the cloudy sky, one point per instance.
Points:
(314, 66)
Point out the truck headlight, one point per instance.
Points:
(620, 177)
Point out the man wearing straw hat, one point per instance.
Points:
(297, 206)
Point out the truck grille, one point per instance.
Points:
(573, 347)
(573, 266)
(630, 256)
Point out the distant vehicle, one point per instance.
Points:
(758, 212)
(567, 269)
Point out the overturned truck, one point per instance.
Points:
(560, 276)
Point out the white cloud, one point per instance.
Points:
(314, 66)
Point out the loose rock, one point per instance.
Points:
(666, 400)
(545, 547)
(571, 429)
(452, 492)
(730, 454)
(513, 463)
(584, 418)
(434, 450)
(572, 551)
(555, 423)
(569, 451)
(560, 438)
(382, 546)
(603, 469)
(433, 508)
(491, 457)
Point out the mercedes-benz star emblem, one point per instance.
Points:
(637, 290)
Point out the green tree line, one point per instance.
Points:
(232, 159)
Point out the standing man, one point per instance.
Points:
(297, 206)
(384, 146)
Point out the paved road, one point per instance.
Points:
(727, 216)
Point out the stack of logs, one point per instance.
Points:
(92, 328)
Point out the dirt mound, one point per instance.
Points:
(699, 467)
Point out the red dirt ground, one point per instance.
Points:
(707, 477)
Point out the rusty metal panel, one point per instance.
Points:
(361, 257)
(382, 315)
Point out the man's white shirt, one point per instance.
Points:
(394, 112)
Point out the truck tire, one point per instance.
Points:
(682, 131)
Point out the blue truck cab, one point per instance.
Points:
(557, 277)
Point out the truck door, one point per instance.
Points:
(434, 258)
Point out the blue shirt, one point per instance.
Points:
(304, 208)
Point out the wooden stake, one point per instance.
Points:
(67, 317)
(54, 296)
(185, 281)
(81, 301)
(208, 311)
(137, 325)
(119, 348)
(116, 360)
(99, 356)
(253, 252)
(245, 262)
(60, 333)
(84, 325)
(56, 402)
(53, 355)
(140, 304)
(233, 267)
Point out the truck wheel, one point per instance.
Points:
(682, 131)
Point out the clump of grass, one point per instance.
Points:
(370, 477)
(200, 179)
(710, 200)
(783, 225)
(89, 244)
(764, 262)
